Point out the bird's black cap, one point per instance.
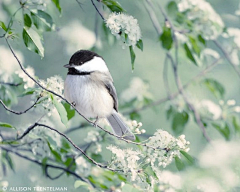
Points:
(81, 57)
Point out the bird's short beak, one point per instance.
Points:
(68, 66)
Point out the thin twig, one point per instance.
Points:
(19, 112)
(11, 84)
(226, 54)
(97, 10)
(190, 105)
(165, 78)
(153, 17)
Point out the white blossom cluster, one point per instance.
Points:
(138, 90)
(8, 64)
(83, 167)
(230, 106)
(204, 17)
(209, 109)
(55, 84)
(95, 137)
(28, 83)
(126, 160)
(124, 27)
(167, 146)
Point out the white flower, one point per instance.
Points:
(235, 34)
(207, 106)
(8, 64)
(210, 53)
(138, 89)
(205, 19)
(237, 109)
(168, 147)
(28, 83)
(77, 37)
(93, 136)
(122, 24)
(231, 102)
(125, 159)
(83, 167)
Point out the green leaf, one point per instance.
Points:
(179, 121)
(27, 21)
(32, 41)
(42, 20)
(8, 159)
(195, 45)
(113, 5)
(3, 26)
(179, 164)
(80, 183)
(166, 38)
(129, 188)
(140, 44)
(133, 56)
(236, 124)
(215, 87)
(135, 116)
(224, 130)
(69, 110)
(189, 54)
(188, 157)
(202, 40)
(172, 8)
(55, 154)
(6, 125)
(28, 91)
(170, 112)
(57, 4)
(44, 163)
(61, 110)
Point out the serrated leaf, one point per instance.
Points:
(188, 157)
(215, 87)
(27, 21)
(179, 164)
(55, 153)
(61, 110)
(3, 26)
(166, 38)
(189, 54)
(69, 110)
(57, 4)
(32, 41)
(113, 5)
(224, 130)
(133, 56)
(179, 121)
(42, 20)
(6, 125)
(140, 44)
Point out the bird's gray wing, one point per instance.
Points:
(112, 91)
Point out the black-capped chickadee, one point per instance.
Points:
(89, 86)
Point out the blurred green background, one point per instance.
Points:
(148, 66)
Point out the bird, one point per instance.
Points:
(89, 87)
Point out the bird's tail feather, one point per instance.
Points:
(119, 127)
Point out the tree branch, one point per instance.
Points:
(11, 84)
(39, 163)
(19, 112)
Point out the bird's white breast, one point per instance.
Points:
(91, 98)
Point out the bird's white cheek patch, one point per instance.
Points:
(96, 64)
